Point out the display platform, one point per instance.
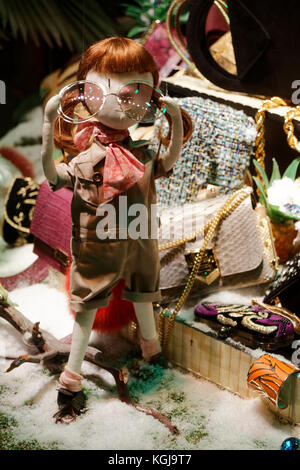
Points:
(196, 348)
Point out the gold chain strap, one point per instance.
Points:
(183, 53)
(289, 128)
(260, 116)
(231, 204)
(183, 240)
(182, 50)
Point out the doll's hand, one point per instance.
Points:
(171, 106)
(51, 108)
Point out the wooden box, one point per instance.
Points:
(198, 350)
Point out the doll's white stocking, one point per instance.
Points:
(145, 317)
(149, 337)
(71, 378)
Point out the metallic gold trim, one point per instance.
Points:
(62, 257)
(233, 201)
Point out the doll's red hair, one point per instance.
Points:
(111, 55)
(117, 55)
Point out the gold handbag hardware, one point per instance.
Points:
(231, 204)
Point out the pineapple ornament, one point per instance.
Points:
(279, 195)
(281, 198)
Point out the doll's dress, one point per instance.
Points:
(99, 264)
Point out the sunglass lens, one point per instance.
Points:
(140, 101)
(80, 101)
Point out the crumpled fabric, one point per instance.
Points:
(121, 169)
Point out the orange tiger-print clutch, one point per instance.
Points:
(269, 376)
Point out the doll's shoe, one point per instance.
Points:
(151, 352)
(70, 404)
(151, 348)
(158, 359)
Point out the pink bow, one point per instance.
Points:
(121, 169)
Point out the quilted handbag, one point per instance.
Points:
(51, 226)
(238, 253)
(256, 326)
(285, 287)
(218, 152)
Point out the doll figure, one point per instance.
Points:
(106, 166)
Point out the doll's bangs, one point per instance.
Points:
(117, 55)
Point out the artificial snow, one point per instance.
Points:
(208, 417)
(16, 260)
(205, 415)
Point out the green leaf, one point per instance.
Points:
(133, 11)
(291, 170)
(262, 173)
(47, 24)
(277, 215)
(74, 22)
(4, 13)
(136, 30)
(263, 197)
(275, 172)
(34, 25)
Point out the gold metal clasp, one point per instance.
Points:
(62, 257)
(208, 271)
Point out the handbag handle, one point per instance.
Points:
(288, 127)
(260, 117)
(177, 6)
(199, 51)
(181, 50)
(230, 205)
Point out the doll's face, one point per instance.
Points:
(111, 113)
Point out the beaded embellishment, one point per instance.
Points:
(247, 317)
(218, 153)
(287, 275)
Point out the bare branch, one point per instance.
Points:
(52, 353)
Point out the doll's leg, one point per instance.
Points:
(71, 399)
(71, 378)
(149, 337)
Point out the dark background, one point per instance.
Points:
(25, 65)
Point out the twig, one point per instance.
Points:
(52, 353)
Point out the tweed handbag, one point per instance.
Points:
(218, 152)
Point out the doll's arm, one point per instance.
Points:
(170, 156)
(47, 145)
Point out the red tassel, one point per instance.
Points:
(17, 159)
(116, 315)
